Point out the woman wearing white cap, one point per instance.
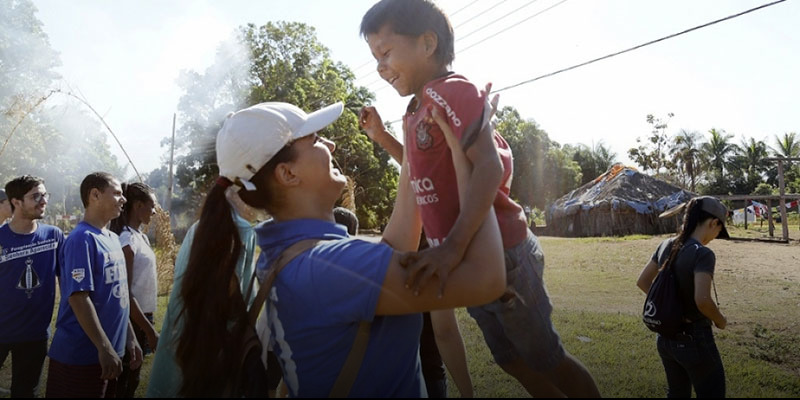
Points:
(321, 298)
(691, 358)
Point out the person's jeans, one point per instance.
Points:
(691, 359)
(27, 359)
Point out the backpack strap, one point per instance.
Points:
(287, 255)
(349, 372)
(347, 376)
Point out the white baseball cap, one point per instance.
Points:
(249, 138)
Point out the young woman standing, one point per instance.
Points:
(140, 261)
(691, 358)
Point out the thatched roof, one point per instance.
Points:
(635, 200)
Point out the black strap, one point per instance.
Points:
(349, 372)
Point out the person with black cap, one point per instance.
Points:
(5, 207)
(691, 358)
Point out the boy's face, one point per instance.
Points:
(407, 63)
(108, 201)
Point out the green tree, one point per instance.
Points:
(651, 153)
(749, 162)
(59, 143)
(718, 152)
(282, 61)
(687, 157)
(543, 171)
(593, 161)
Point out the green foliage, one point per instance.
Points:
(651, 152)
(593, 161)
(764, 188)
(58, 143)
(283, 61)
(543, 171)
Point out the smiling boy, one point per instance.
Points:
(412, 41)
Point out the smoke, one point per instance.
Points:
(47, 134)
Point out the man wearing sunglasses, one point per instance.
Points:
(28, 265)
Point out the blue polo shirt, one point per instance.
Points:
(92, 262)
(28, 265)
(317, 303)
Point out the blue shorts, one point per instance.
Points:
(518, 324)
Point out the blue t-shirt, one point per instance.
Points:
(317, 303)
(92, 261)
(28, 268)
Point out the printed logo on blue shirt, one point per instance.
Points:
(78, 274)
(29, 279)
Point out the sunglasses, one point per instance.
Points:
(37, 197)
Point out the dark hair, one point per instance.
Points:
(347, 218)
(133, 192)
(206, 348)
(693, 217)
(412, 18)
(95, 180)
(17, 187)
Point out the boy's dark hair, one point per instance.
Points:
(17, 187)
(347, 218)
(95, 180)
(412, 18)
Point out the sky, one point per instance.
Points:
(740, 75)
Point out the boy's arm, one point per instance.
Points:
(477, 192)
(86, 314)
(371, 122)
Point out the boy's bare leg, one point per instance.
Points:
(569, 378)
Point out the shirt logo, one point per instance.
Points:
(78, 274)
(438, 99)
(29, 280)
(424, 138)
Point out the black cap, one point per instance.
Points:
(713, 206)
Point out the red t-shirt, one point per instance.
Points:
(433, 177)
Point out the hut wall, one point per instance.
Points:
(609, 222)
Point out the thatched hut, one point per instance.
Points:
(622, 201)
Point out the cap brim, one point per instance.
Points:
(319, 119)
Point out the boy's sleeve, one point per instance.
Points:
(77, 267)
(462, 104)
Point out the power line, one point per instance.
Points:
(462, 8)
(511, 26)
(498, 19)
(639, 46)
(630, 49)
(480, 14)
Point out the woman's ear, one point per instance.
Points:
(284, 174)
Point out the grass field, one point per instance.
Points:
(592, 284)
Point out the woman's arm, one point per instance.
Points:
(137, 316)
(479, 278)
(702, 297)
(647, 276)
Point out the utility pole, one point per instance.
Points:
(171, 158)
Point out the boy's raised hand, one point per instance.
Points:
(370, 121)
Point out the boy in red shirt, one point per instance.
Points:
(412, 41)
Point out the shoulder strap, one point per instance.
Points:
(347, 375)
(287, 255)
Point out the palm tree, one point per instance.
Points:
(788, 145)
(687, 154)
(718, 151)
(603, 157)
(750, 159)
